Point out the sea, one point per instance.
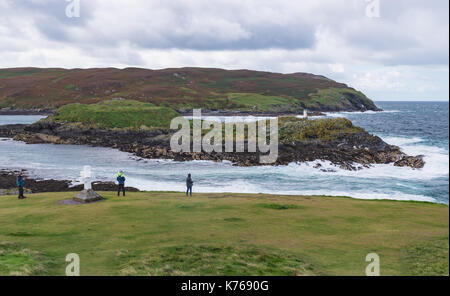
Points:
(418, 128)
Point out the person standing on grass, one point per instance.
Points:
(189, 184)
(20, 184)
(121, 181)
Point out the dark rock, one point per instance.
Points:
(10, 130)
(103, 186)
(411, 161)
(8, 183)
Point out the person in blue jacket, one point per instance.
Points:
(20, 184)
(121, 181)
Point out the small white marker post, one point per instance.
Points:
(305, 113)
(86, 176)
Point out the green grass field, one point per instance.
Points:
(153, 233)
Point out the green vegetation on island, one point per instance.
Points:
(116, 114)
(154, 233)
(300, 129)
(134, 114)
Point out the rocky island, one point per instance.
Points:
(143, 129)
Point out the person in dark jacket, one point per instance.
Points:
(20, 184)
(189, 184)
(121, 181)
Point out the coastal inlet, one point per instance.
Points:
(380, 181)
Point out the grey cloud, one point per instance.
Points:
(263, 37)
(50, 19)
(408, 32)
(395, 38)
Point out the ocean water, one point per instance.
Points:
(418, 128)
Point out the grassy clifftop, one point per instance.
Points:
(154, 233)
(181, 89)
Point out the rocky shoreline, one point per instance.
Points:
(43, 112)
(8, 185)
(205, 112)
(226, 113)
(352, 151)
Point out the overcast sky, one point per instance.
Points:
(397, 53)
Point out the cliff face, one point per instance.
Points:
(181, 89)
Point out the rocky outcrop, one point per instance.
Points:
(411, 161)
(350, 151)
(11, 130)
(8, 185)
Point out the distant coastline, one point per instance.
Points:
(25, 112)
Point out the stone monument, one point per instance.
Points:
(88, 194)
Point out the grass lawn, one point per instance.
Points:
(151, 233)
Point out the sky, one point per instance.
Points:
(390, 50)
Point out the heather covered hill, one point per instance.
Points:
(181, 89)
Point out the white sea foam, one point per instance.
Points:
(249, 118)
(436, 158)
(370, 112)
(434, 168)
(240, 186)
(436, 164)
(401, 141)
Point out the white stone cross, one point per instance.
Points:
(86, 176)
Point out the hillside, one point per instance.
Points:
(181, 89)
